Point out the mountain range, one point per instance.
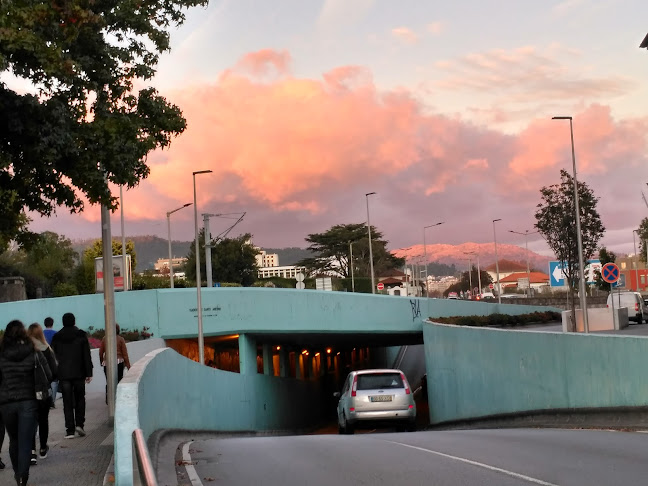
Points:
(151, 248)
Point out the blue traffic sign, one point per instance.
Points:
(621, 283)
(557, 276)
(610, 272)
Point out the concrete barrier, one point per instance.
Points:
(476, 373)
(600, 319)
(165, 390)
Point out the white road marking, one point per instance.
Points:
(188, 464)
(479, 464)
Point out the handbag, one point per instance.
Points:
(41, 382)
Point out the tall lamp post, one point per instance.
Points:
(526, 247)
(469, 253)
(201, 340)
(168, 215)
(427, 291)
(373, 284)
(351, 266)
(499, 290)
(636, 260)
(581, 264)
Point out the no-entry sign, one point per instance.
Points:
(380, 286)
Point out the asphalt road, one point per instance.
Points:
(467, 457)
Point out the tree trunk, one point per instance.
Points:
(572, 321)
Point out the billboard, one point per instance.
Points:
(117, 271)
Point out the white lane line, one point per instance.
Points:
(188, 464)
(479, 464)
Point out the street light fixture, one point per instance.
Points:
(469, 271)
(499, 290)
(168, 215)
(581, 264)
(526, 246)
(373, 284)
(427, 290)
(201, 340)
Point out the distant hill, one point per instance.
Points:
(445, 257)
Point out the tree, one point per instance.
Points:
(85, 274)
(88, 126)
(556, 222)
(233, 260)
(605, 256)
(331, 249)
(463, 285)
(642, 233)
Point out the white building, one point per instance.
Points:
(162, 265)
(264, 260)
(284, 272)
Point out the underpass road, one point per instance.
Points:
(467, 457)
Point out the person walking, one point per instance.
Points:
(49, 332)
(72, 352)
(2, 436)
(122, 357)
(18, 405)
(35, 332)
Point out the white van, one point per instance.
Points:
(633, 301)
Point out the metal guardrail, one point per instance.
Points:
(145, 471)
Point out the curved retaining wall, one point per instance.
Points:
(477, 372)
(165, 390)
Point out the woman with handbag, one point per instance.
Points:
(19, 362)
(35, 332)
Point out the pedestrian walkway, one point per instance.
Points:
(81, 461)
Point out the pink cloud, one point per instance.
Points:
(405, 34)
(298, 155)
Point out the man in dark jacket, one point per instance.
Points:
(72, 351)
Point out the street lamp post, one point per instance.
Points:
(201, 341)
(168, 215)
(581, 264)
(371, 266)
(469, 271)
(636, 261)
(427, 291)
(351, 265)
(499, 290)
(526, 247)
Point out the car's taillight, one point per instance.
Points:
(407, 389)
(354, 386)
(636, 307)
(351, 409)
(411, 407)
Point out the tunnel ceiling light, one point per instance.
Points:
(278, 348)
(338, 353)
(317, 354)
(328, 350)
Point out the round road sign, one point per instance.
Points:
(610, 272)
(491, 286)
(380, 286)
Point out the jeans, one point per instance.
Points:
(120, 375)
(54, 390)
(74, 404)
(43, 424)
(20, 419)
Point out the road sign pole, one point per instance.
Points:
(614, 315)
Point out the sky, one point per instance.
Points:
(443, 109)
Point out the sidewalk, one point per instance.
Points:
(81, 461)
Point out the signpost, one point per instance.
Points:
(380, 286)
(557, 275)
(610, 273)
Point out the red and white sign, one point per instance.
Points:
(491, 286)
(380, 286)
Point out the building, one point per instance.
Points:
(162, 264)
(264, 260)
(632, 267)
(283, 272)
(506, 268)
(537, 280)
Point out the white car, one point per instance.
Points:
(375, 397)
(487, 295)
(633, 301)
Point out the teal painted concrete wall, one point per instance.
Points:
(172, 313)
(164, 390)
(477, 372)
(133, 310)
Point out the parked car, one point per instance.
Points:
(487, 296)
(637, 310)
(375, 397)
(453, 295)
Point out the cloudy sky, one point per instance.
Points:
(442, 108)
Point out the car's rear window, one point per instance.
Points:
(379, 380)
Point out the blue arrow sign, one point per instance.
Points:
(557, 276)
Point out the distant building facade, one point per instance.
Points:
(290, 271)
(162, 264)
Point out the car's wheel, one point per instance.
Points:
(411, 427)
(347, 427)
(639, 319)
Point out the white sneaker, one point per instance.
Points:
(80, 431)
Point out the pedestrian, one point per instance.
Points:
(49, 334)
(122, 357)
(35, 332)
(18, 362)
(2, 435)
(72, 352)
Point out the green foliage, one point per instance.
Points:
(144, 282)
(233, 260)
(62, 289)
(606, 256)
(463, 285)
(85, 59)
(362, 284)
(642, 234)
(332, 252)
(128, 335)
(556, 222)
(500, 320)
(276, 282)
